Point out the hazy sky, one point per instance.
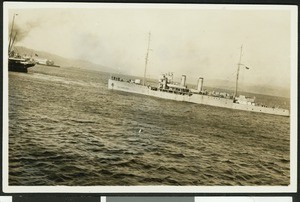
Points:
(191, 41)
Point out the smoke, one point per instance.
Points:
(17, 34)
(21, 31)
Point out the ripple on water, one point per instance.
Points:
(66, 128)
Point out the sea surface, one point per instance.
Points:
(67, 128)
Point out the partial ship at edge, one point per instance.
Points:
(167, 89)
(17, 63)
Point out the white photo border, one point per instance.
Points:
(155, 189)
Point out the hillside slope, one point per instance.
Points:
(61, 61)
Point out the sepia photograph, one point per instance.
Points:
(149, 98)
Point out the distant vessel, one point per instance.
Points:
(17, 63)
(45, 62)
(167, 89)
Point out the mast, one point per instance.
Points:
(10, 36)
(146, 59)
(14, 40)
(238, 71)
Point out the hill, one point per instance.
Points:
(61, 61)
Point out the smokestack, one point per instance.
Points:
(165, 80)
(183, 79)
(200, 84)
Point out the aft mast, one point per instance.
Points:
(237, 74)
(146, 59)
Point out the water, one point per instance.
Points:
(67, 128)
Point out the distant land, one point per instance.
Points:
(63, 62)
(216, 84)
(251, 88)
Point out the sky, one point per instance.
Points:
(195, 41)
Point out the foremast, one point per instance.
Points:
(146, 59)
(10, 44)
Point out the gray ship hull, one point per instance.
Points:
(193, 98)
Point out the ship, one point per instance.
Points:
(45, 62)
(16, 62)
(168, 89)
